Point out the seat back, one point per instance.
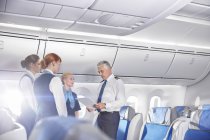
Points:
(199, 127)
(135, 127)
(17, 133)
(157, 125)
(66, 128)
(9, 130)
(204, 107)
(126, 115)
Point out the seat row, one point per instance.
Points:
(165, 123)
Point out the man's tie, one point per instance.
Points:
(101, 93)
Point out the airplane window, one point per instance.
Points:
(155, 101)
(197, 101)
(131, 101)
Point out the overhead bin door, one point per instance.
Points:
(14, 50)
(144, 63)
(80, 58)
(187, 66)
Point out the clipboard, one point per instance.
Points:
(87, 102)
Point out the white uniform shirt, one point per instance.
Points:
(26, 87)
(113, 95)
(56, 88)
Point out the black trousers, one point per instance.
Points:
(108, 122)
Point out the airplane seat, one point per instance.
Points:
(135, 126)
(204, 107)
(9, 129)
(157, 124)
(180, 121)
(199, 126)
(126, 115)
(180, 111)
(65, 128)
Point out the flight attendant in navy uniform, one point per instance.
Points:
(111, 97)
(48, 89)
(72, 104)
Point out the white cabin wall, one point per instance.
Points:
(199, 93)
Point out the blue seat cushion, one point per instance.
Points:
(197, 135)
(154, 132)
(204, 123)
(122, 130)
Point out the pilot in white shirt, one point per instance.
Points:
(111, 98)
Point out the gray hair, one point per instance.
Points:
(104, 62)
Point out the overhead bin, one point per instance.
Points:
(188, 66)
(80, 58)
(142, 63)
(14, 50)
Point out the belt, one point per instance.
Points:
(105, 112)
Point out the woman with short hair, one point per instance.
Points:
(72, 103)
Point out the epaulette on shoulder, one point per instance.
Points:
(117, 78)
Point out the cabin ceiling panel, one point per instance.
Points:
(199, 35)
(2, 5)
(50, 10)
(204, 2)
(24, 7)
(70, 13)
(74, 3)
(81, 58)
(133, 15)
(143, 63)
(119, 20)
(165, 31)
(139, 7)
(96, 28)
(31, 21)
(13, 53)
(195, 11)
(188, 66)
(90, 16)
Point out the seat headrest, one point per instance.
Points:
(204, 123)
(159, 115)
(205, 107)
(127, 113)
(183, 111)
(200, 120)
(65, 128)
(6, 121)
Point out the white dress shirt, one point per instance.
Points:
(113, 95)
(56, 88)
(26, 87)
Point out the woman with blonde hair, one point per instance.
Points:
(48, 89)
(72, 103)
